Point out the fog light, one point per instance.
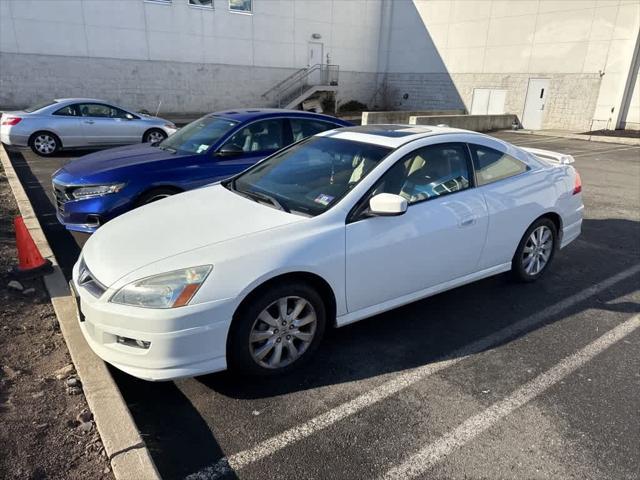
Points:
(93, 220)
(132, 342)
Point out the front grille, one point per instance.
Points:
(61, 197)
(87, 281)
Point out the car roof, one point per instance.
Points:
(66, 100)
(390, 135)
(246, 114)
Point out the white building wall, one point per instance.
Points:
(192, 59)
(440, 50)
(398, 54)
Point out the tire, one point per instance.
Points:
(286, 335)
(45, 143)
(155, 195)
(532, 259)
(154, 135)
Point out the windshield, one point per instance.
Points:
(39, 106)
(198, 136)
(310, 177)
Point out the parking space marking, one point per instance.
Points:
(427, 457)
(401, 381)
(605, 151)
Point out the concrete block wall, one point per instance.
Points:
(573, 96)
(182, 87)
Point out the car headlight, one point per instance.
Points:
(167, 290)
(96, 190)
(170, 125)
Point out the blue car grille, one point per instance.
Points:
(61, 197)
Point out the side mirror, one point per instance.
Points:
(128, 116)
(229, 150)
(387, 205)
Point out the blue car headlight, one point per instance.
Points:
(96, 190)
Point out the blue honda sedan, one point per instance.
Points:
(95, 188)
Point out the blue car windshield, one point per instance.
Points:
(198, 136)
(309, 177)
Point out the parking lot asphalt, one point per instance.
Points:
(491, 380)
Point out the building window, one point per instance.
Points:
(243, 6)
(201, 3)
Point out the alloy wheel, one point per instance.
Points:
(282, 332)
(537, 250)
(154, 137)
(44, 144)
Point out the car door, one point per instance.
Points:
(438, 239)
(66, 123)
(106, 125)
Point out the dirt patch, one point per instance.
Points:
(47, 431)
(615, 133)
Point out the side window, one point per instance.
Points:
(68, 111)
(428, 172)
(118, 113)
(260, 136)
(94, 110)
(492, 165)
(303, 128)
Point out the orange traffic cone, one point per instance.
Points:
(31, 263)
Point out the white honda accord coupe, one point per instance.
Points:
(250, 272)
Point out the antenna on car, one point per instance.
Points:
(158, 109)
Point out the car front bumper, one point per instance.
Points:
(182, 342)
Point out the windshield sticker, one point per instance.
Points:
(323, 199)
(202, 148)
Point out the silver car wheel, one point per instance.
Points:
(282, 332)
(44, 144)
(537, 250)
(155, 136)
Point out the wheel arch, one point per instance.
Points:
(555, 218)
(156, 187)
(45, 130)
(313, 279)
(152, 128)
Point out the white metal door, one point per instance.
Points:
(535, 102)
(314, 58)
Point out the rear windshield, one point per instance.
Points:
(39, 106)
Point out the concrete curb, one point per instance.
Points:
(577, 136)
(127, 452)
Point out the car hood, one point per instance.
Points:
(178, 224)
(114, 158)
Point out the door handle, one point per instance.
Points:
(90, 122)
(467, 221)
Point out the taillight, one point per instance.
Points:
(577, 186)
(11, 120)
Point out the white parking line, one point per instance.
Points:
(427, 457)
(401, 381)
(605, 151)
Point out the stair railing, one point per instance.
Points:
(296, 83)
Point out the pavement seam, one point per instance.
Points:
(229, 464)
(117, 429)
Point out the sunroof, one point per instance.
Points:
(393, 131)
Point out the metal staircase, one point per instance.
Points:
(303, 84)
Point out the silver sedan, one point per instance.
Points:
(79, 123)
